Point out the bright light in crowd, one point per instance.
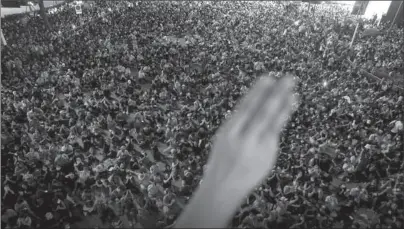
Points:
(377, 7)
(374, 7)
(325, 83)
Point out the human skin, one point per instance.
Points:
(243, 153)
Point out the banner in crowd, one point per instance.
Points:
(78, 9)
(371, 32)
(360, 7)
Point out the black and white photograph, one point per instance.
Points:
(202, 114)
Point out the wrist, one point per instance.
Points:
(215, 207)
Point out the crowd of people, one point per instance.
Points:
(108, 123)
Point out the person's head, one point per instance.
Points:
(152, 169)
(24, 185)
(89, 203)
(9, 175)
(115, 198)
(24, 212)
(49, 216)
(166, 191)
(312, 179)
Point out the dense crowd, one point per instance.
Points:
(108, 123)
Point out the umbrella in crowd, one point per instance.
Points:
(111, 124)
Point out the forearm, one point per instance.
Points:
(71, 200)
(294, 201)
(210, 208)
(383, 192)
(11, 181)
(385, 185)
(298, 166)
(296, 225)
(32, 213)
(169, 178)
(171, 203)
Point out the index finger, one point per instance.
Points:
(265, 89)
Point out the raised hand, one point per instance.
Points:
(243, 154)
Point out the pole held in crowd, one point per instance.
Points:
(395, 17)
(354, 35)
(3, 40)
(370, 75)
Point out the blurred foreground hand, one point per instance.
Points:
(243, 154)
